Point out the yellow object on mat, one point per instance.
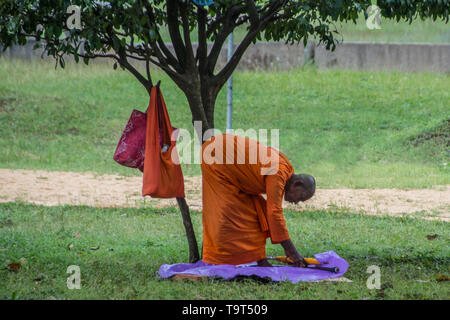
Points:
(285, 259)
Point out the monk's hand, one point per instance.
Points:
(291, 252)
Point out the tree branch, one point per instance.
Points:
(253, 13)
(173, 23)
(226, 72)
(145, 82)
(184, 11)
(93, 56)
(123, 61)
(160, 45)
(147, 70)
(202, 41)
(220, 18)
(228, 27)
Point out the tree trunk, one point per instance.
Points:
(201, 102)
(197, 115)
(190, 233)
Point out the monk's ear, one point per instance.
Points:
(299, 183)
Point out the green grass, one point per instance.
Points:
(135, 242)
(347, 128)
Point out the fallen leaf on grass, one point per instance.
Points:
(77, 235)
(442, 278)
(432, 236)
(15, 266)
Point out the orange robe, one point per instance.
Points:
(236, 218)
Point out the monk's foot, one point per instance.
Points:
(264, 263)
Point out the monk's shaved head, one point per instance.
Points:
(299, 187)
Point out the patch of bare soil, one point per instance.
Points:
(58, 188)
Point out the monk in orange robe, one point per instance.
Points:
(236, 218)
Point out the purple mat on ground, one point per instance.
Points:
(275, 273)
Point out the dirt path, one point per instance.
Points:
(58, 187)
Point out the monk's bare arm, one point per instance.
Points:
(275, 219)
(292, 253)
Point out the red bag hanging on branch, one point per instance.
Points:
(163, 177)
(130, 150)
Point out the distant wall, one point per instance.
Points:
(386, 56)
(349, 55)
(23, 52)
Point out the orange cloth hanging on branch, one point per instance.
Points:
(163, 177)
